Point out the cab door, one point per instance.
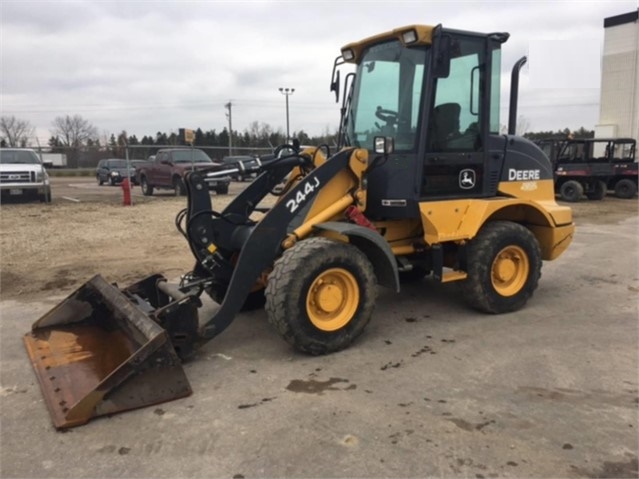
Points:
(455, 159)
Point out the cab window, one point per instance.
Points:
(456, 116)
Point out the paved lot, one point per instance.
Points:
(431, 389)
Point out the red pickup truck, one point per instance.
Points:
(168, 167)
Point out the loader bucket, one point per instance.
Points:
(98, 353)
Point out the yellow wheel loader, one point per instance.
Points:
(422, 183)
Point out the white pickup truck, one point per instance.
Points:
(22, 175)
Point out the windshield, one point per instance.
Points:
(185, 156)
(386, 95)
(21, 157)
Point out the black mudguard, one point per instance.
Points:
(374, 246)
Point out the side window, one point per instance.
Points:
(454, 124)
(160, 157)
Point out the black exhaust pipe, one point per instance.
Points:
(514, 94)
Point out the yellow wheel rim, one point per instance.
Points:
(510, 270)
(332, 299)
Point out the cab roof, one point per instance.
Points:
(424, 35)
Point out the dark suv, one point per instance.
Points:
(247, 162)
(114, 171)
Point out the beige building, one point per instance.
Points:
(619, 103)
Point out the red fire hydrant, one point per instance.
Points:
(126, 191)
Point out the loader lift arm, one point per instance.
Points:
(215, 238)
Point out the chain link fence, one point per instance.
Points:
(88, 157)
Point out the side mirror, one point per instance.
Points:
(335, 86)
(384, 145)
(335, 77)
(441, 50)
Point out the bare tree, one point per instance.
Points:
(15, 132)
(523, 125)
(73, 131)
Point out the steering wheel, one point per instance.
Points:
(387, 116)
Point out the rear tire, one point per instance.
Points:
(99, 180)
(222, 190)
(571, 191)
(599, 191)
(625, 189)
(504, 267)
(147, 190)
(321, 295)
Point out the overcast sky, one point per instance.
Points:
(149, 66)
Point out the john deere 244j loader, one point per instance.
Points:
(421, 183)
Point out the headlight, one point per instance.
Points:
(348, 54)
(115, 173)
(409, 37)
(42, 175)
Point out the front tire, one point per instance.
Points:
(504, 267)
(321, 295)
(625, 189)
(147, 189)
(99, 180)
(571, 191)
(222, 190)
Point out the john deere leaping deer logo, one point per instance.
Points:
(467, 179)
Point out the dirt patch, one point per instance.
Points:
(53, 249)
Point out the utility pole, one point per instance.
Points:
(229, 116)
(287, 92)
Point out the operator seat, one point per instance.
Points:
(445, 125)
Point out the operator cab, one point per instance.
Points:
(434, 93)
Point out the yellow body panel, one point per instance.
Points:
(541, 192)
(553, 240)
(460, 220)
(345, 180)
(342, 191)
